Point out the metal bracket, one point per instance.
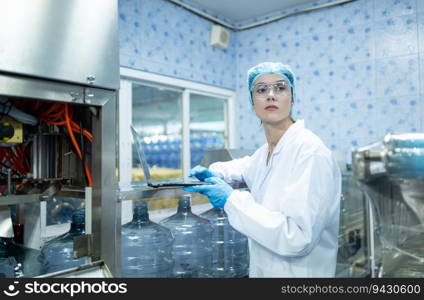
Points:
(50, 192)
(83, 245)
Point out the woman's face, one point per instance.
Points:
(272, 98)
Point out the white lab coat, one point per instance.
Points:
(291, 213)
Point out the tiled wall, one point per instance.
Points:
(359, 66)
(160, 37)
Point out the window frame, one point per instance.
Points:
(187, 88)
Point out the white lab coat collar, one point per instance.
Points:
(291, 132)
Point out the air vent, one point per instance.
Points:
(220, 37)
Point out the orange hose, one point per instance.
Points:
(71, 134)
(59, 114)
(74, 142)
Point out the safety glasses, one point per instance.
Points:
(261, 90)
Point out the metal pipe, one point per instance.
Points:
(99, 263)
(9, 181)
(260, 23)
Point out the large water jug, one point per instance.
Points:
(58, 253)
(17, 260)
(192, 249)
(230, 250)
(146, 246)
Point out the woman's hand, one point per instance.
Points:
(202, 173)
(218, 191)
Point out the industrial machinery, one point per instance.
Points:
(390, 173)
(59, 77)
(353, 253)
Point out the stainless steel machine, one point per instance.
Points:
(353, 254)
(390, 173)
(59, 77)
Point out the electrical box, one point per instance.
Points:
(11, 131)
(220, 37)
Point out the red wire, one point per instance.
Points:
(59, 114)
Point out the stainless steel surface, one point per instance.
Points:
(50, 192)
(6, 227)
(143, 191)
(98, 97)
(34, 88)
(86, 267)
(367, 162)
(19, 199)
(398, 156)
(404, 155)
(71, 191)
(353, 255)
(83, 245)
(9, 181)
(46, 155)
(396, 205)
(67, 51)
(74, 41)
(413, 193)
(106, 210)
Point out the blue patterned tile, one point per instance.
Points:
(328, 124)
(398, 114)
(354, 63)
(312, 22)
(421, 70)
(352, 13)
(397, 76)
(420, 22)
(357, 80)
(421, 112)
(357, 123)
(420, 6)
(391, 8)
(396, 36)
(166, 39)
(128, 7)
(351, 43)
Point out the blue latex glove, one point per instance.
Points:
(202, 173)
(218, 192)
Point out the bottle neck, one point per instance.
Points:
(184, 205)
(184, 209)
(78, 222)
(78, 228)
(141, 218)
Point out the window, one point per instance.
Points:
(207, 126)
(178, 121)
(156, 115)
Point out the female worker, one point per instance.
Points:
(291, 212)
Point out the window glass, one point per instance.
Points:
(157, 118)
(207, 126)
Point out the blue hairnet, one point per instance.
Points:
(270, 68)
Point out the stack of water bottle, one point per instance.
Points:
(17, 260)
(183, 245)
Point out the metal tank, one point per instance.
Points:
(391, 175)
